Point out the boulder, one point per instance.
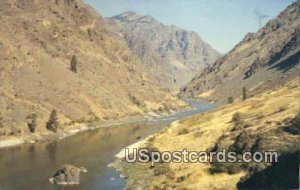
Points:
(67, 175)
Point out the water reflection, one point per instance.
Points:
(31, 152)
(51, 151)
(28, 167)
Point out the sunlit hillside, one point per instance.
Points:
(268, 124)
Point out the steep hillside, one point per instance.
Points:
(38, 39)
(267, 122)
(260, 61)
(172, 55)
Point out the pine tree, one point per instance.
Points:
(73, 66)
(52, 123)
(244, 93)
(32, 123)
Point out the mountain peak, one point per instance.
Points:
(131, 16)
(127, 16)
(171, 54)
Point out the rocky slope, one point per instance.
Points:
(261, 60)
(172, 55)
(38, 39)
(266, 122)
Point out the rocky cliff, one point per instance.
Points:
(262, 60)
(172, 55)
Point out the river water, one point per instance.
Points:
(29, 166)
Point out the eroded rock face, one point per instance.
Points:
(172, 56)
(67, 175)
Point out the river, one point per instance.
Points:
(29, 166)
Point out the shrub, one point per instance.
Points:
(297, 120)
(230, 100)
(260, 115)
(151, 139)
(199, 134)
(170, 175)
(32, 123)
(244, 93)
(14, 131)
(73, 65)
(52, 123)
(281, 109)
(2, 130)
(90, 34)
(1, 121)
(230, 168)
(161, 169)
(236, 117)
(151, 153)
(183, 131)
(239, 126)
(181, 179)
(239, 123)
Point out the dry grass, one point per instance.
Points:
(37, 44)
(205, 94)
(214, 124)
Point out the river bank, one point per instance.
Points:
(43, 136)
(93, 149)
(71, 130)
(266, 122)
(131, 171)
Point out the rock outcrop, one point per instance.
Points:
(67, 175)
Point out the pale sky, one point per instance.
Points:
(221, 23)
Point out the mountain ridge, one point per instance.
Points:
(261, 60)
(171, 54)
(38, 40)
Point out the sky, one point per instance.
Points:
(221, 23)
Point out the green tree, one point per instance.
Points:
(230, 100)
(244, 93)
(73, 65)
(52, 123)
(32, 122)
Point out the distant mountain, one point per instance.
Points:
(262, 60)
(38, 39)
(172, 55)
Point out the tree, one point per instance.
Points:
(297, 120)
(73, 66)
(32, 123)
(1, 121)
(230, 100)
(244, 93)
(52, 123)
(2, 130)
